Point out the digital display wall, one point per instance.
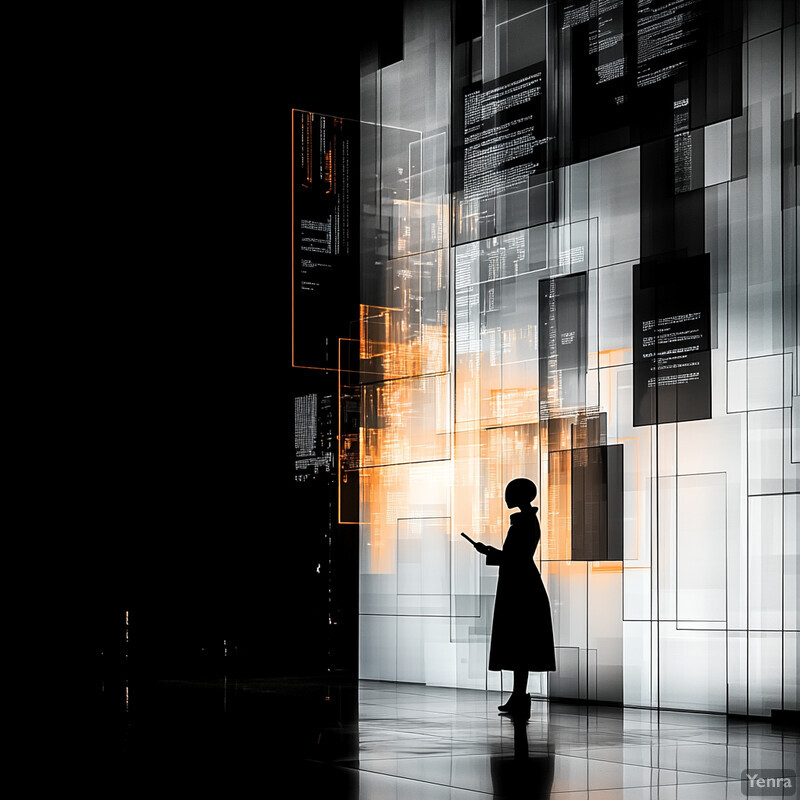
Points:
(579, 249)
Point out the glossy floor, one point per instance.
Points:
(383, 740)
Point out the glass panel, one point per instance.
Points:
(765, 554)
(701, 550)
(692, 669)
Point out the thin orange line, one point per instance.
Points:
(291, 194)
(613, 350)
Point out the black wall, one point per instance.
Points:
(172, 386)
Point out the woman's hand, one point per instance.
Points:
(481, 548)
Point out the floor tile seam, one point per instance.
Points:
(717, 778)
(417, 756)
(682, 770)
(468, 715)
(403, 778)
(684, 744)
(370, 769)
(442, 737)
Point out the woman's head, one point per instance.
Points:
(520, 492)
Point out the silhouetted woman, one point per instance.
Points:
(522, 628)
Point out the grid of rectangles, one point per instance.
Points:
(579, 255)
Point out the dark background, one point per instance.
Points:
(171, 426)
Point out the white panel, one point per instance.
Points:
(410, 650)
(791, 562)
(765, 382)
(765, 547)
(717, 153)
(737, 386)
(615, 319)
(765, 443)
(791, 678)
(737, 672)
(701, 548)
(692, 669)
(764, 673)
(423, 566)
(440, 662)
(377, 648)
(614, 199)
(637, 690)
(667, 504)
(605, 631)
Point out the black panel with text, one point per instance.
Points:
(672, 340)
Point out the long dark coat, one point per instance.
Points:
(522, 628)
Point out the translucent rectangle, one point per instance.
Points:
(614, 199)
(440, 662)
(577, 183)
(765, 563)
(406, 420)
(377, 648)
(701, 562)
(765, 382)
(562, 342)
(636, 597)
(565, 681)
(567, 589)
(717, 150)
(378, 593)
(762, 16)
(764, 672)
(795, 425)
(636, 657)
(666, 506)
(574, 247)
(604, 631)
(791, 469)
(423, 556)
(597, 503)
(615, 319)
(764, 244)
(791, 678)
(424, 566)
(737, 270)
(737, 386)
(791, 562)
(410, 649)
(737, 672)
(738, 515)
(765, 440)
(692, 669)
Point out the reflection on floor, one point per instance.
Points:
(293, 737)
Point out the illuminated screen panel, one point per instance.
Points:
(597, 503)
(672, 341)
(505, 138)
(502, 154)
(562, 342)
(324, 236)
